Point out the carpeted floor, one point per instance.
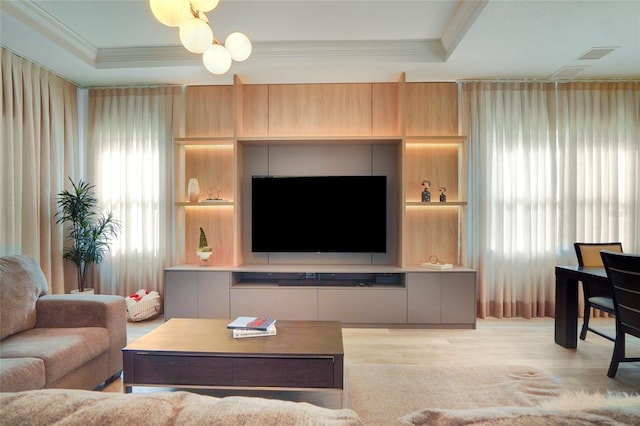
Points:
(380, 393)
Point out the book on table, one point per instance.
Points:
(239, 333)
(252, 323)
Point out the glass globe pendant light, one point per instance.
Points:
(217, 59)
(204, 5)
(239, 46)
(171, 12)
(196, 35)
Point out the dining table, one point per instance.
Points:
(566, 313)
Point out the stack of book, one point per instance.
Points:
(252, 327)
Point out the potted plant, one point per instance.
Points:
(89, 230)
(204, 251)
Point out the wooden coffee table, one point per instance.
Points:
(200, 353)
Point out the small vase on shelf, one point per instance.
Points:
(193, 190)
(426, 194)
(443, 194)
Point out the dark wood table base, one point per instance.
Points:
(202, 353)
(566, 315)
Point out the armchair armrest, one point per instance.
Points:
(61, 310)
(68, 311)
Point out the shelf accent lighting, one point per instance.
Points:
(196, 33)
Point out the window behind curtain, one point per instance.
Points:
(130, 160)
(550, 164)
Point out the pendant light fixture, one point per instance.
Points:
(196, 33)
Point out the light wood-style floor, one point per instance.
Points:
(513, 341)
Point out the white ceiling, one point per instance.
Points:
(119, 42)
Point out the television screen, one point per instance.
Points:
(323, 214)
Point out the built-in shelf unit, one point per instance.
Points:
(406, 131)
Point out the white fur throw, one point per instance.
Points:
(570, 408)
(78, 407)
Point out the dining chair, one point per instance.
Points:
(623, 271)
(595, 294)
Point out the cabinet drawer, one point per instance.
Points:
(284, 303)
(363, 305)
(182, 370)
(284, 372)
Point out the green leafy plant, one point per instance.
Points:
(89, 230)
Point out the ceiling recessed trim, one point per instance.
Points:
(384, 51)
(134, 57)
(40, 21)
(378, 50)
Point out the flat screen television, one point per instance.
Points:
(321, 214)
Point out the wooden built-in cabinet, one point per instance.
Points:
(196, 294)
(407, 131)
(417, 297)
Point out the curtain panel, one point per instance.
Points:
(549, 164)
(130, 158)
(599, 140)
(39, 151)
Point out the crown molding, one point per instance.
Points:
(338, 51)
(465, 15)
(38, 20)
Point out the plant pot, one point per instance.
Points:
(84, 291)
(204, 257)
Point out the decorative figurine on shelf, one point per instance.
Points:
(213, 194)
(443, 194)
(426, 195)
(204, 251)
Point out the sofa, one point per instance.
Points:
(55, 340)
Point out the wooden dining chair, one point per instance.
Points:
(595, 294)
(623, 271)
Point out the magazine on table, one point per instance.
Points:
(252, 323)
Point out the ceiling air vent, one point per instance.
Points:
(566, 72)
(596, 53)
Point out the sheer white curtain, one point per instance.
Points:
(38, 151)
(599, 138)
(549, 165)
(512, 195)
(130, 160)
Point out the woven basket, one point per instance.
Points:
(142, 306)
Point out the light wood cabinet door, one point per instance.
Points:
(442, 298)
(458, 298)
(424, 292)
(196, 294)
(282, 303)
(213, 294)
(363, 305)
(180, 294)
